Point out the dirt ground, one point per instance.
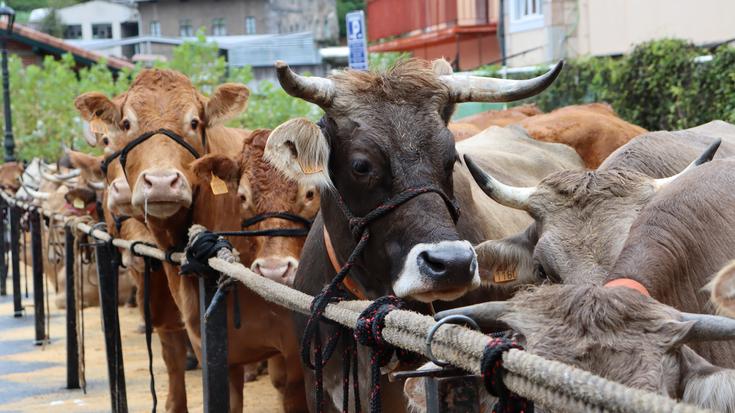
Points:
(33, 378)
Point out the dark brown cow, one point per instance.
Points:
(172, 197)
(384, 134)
(594, 130)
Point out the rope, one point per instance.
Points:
(493, 372)
(548, 383)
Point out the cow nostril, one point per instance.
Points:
(146, 181)
(435, 265)
(175, 181)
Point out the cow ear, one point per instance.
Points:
(92, 165)
(299, 149)
(95, 104)
(722, 289)
(227, 101)
(703, 384)
(225, 168)
(441, 67)
(509, 261)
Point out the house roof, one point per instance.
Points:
(54, 45)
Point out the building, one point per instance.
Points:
(97, 21)
(33, 46)
(463, 31)
(182, 18)
(468, 33)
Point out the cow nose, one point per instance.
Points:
(161, 180)
(453, 263)
(279, 269)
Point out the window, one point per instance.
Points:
(155, 28)
(73, 31)
(525, 15)
(218, 27)
(185, 29)
(102, 31)
(250, 25)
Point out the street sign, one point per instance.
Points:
(357, 40)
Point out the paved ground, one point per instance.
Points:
(33, 378)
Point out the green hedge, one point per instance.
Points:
(658, 86)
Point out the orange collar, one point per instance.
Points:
(628, 283)
(347, 282)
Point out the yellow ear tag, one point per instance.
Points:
(97, 126)
(503, 276)
(78, 203)
(218, 186)
(310, 169)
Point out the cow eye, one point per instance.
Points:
(126, 124)
(545, 275)
(194, 123)
(361, 166)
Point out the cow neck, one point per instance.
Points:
(628, 283)
(348, 283)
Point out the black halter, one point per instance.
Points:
(273, 232)
(123, 153)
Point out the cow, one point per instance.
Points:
(384, 134)
(10, 173)
(722, 291)
(619, 334)
(504, 117)
(593, 130)
(166, 124)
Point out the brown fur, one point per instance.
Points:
(504, 117)
(9, 174)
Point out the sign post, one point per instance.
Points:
(357, 40)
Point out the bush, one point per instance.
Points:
(42, 96)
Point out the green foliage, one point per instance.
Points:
(52, 24)
(42, 96)
(384, 61)
(658, 86)
(28, 5)
(344, 7)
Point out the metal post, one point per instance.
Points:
(72, 347)
(215, 376)
(9, 141)
(3, 249)
(107, 274)
(15, 259)
(39, 309)
(452, 394)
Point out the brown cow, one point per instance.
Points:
(594, 130)
(10, 173)
(503, 117)
(172, 197)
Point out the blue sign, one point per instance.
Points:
(357, 40)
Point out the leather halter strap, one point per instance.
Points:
(349, 284)
(628, 283)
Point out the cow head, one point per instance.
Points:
(10, 173)
(263, 190)
(157, 168)
(619, 334)
(581, 221)
(384, 134)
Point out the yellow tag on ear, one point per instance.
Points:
(218, 186)
(503, 276)
(310, 169)
(78, 203)
(97, 126)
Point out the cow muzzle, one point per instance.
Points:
(279, 269)
(442, 271)
(161, 193)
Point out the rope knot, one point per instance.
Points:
(202, 246)
(492, 374)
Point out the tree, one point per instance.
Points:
(344, 7)
(52, 24)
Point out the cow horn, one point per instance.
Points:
(317, 90)
(709, 327)
(510, 196)
(466, 88)
(73, 174)
(705, 157)
(96, 185)
(35, 194)
(486, 315)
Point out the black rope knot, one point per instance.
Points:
(492, 373)
(200, 249)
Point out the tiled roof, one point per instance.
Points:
(24, 34)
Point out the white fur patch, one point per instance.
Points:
(411, 283)
(309, 164)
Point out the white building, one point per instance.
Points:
(97, 21)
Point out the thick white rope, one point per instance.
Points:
(549, 383)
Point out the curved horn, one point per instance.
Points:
(466, 88)
(96, 185)
(317, 90)
(485, 314)
(709, 327)
(33, 193)
(706, 156)
(510, 196)
(73, 174)
(51, 178)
